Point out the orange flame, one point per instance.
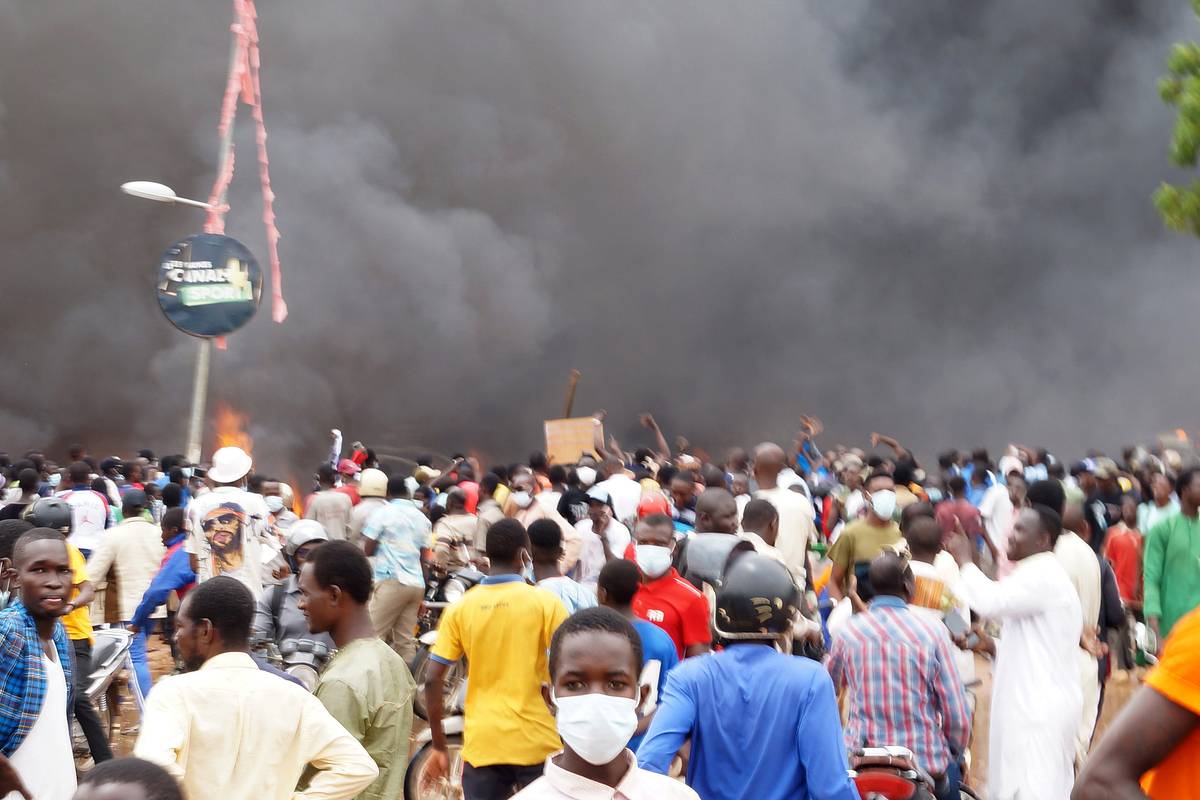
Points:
(231, 428)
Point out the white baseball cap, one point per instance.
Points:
(230, 465)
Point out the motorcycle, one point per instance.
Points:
(303, 659)
(110, 655)
(452, 724)
(439, 595)
(892, 773)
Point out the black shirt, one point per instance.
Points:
(573, 506)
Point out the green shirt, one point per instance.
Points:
(1171, 568)
(860, 542)
(368, 688)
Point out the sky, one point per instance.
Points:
(927, 219)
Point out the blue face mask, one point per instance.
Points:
(935, 495)
(54, 479)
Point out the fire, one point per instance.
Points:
(231, 428)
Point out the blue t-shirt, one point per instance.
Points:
(656, 646)
(764, 726)
(402, 532)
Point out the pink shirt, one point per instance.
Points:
(638, 784)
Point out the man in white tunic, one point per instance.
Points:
(1036, 701)
(1083, 568)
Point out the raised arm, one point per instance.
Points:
(898, 449)
(335, 447)
(661, 449)
(598, 434)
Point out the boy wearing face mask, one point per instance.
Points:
(665, 598)
(595, 658)
(862, 540)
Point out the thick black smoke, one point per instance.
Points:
(927, 218)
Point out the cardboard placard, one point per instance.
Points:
(568, 439)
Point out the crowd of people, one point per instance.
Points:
(650, 624)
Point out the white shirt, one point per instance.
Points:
(241, 558)
(625, 492)
(1036, 701)
(637, 784)
(233, 731)
(90, 514)
(1083, 568)
(44, 760)
(796, 526)
(135, 550)
(591, 552)
(359, 516)
(549, 499)
(996, 508)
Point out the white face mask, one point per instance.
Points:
(883, 503)
(596, 726)
(274, 504)
(522, 499)
(654, 560)
(587, 475)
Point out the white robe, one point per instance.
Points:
(1036, 699)
(1083, 568)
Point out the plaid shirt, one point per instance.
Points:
(23, 676)
(904, 686)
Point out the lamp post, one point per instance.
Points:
(148, 190)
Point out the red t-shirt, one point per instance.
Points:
(471, 490)
(677, 607)
(351, 492)
(1123, 549)
(954, 514)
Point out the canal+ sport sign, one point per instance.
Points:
(209, 285)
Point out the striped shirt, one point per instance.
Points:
(903, 684)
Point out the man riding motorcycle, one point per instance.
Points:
(277, 615)
(763, 724)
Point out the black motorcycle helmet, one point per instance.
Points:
(49, 512)
(757, 599)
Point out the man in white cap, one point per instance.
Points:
(372, 488)
(228, 524)
(277, 614)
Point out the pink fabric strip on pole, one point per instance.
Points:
(243, 83)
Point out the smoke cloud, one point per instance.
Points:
(928, 219)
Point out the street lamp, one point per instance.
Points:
(149, 190)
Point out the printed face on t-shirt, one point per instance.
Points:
(223, 528)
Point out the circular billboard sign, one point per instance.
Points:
(209, 285)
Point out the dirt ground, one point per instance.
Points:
(1120, 686)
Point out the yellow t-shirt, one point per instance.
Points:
(504, 628)
(79, 622)
(1177, 677)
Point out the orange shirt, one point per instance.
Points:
(1177, 677)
